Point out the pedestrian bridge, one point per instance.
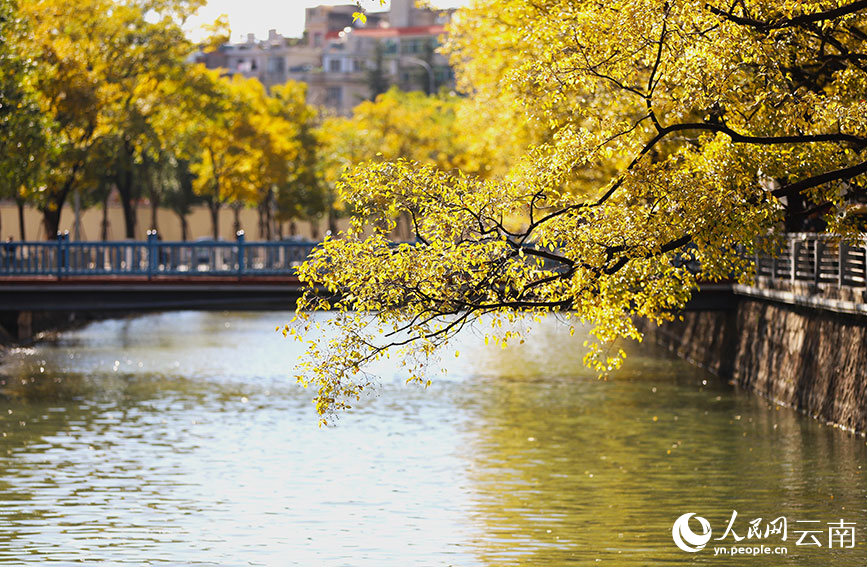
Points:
(814, 271)
(63, 275)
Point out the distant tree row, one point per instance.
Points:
(99, 97)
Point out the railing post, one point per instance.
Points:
(59, 254)
(817, 259)
(62, 253)
(841, 266)
(793, 252)
(240, 236)
(66, 251)
(152, 252)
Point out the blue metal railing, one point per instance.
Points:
(152, 257)
(820, 259)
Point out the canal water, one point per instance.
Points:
(181, 439)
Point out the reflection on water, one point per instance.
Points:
(180, 439)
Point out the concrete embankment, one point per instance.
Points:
(812, 358)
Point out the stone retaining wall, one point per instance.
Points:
(811, 359)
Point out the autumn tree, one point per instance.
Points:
(248, 141)
(155, 54)
(408, 125)
(186, 105)
(223, 134)
(178, 195)
(67, 84)
(300, 192)
(664, 129)
(23, 126)
(97, 64)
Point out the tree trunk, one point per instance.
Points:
(332, 221)
(184, 227)
(269, 215)
(20, 204)
(236, 210)
(53, 207)
(262, 229)
(104, 227)
(155, 201)
(51, 220)
(214, 206)
(266, 229)
(124, 179)
(76, 225)
(154, 209)
(126, 202)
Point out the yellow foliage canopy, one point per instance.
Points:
(663, 130)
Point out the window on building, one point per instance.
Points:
(443, 74)
(334, 97)
(317, 39)
(276, 65)
(358, 65)
(334, 66)
(413, 46)
(254, 64)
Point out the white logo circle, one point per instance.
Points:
(685, 538)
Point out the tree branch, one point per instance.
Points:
(790, 22)
(816, 180)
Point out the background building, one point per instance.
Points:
(344, 62)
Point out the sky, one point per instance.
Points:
(259, 16)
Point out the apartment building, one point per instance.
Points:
(272, 61)
(344, 62)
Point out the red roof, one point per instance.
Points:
(392, 32)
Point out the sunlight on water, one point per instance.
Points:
(181, 438)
